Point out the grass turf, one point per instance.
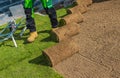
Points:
(26, 61)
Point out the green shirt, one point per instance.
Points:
(45, 3)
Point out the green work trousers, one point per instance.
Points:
(29, 11)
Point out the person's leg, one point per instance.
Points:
(53, 17)
(30, 23)
(47, 4)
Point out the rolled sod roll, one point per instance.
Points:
(66, 31)
(75, 17)
(84, 2)
(61, 51)
(79, 8)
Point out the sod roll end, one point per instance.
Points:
(67, 31)
(61, 51)
(75, 17)
(79, 8)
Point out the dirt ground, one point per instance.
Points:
(99, 44)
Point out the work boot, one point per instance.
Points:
(32, 36)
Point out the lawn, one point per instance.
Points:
(26, 61)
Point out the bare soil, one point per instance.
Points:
(99, 44)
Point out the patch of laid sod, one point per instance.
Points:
(26, 61)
